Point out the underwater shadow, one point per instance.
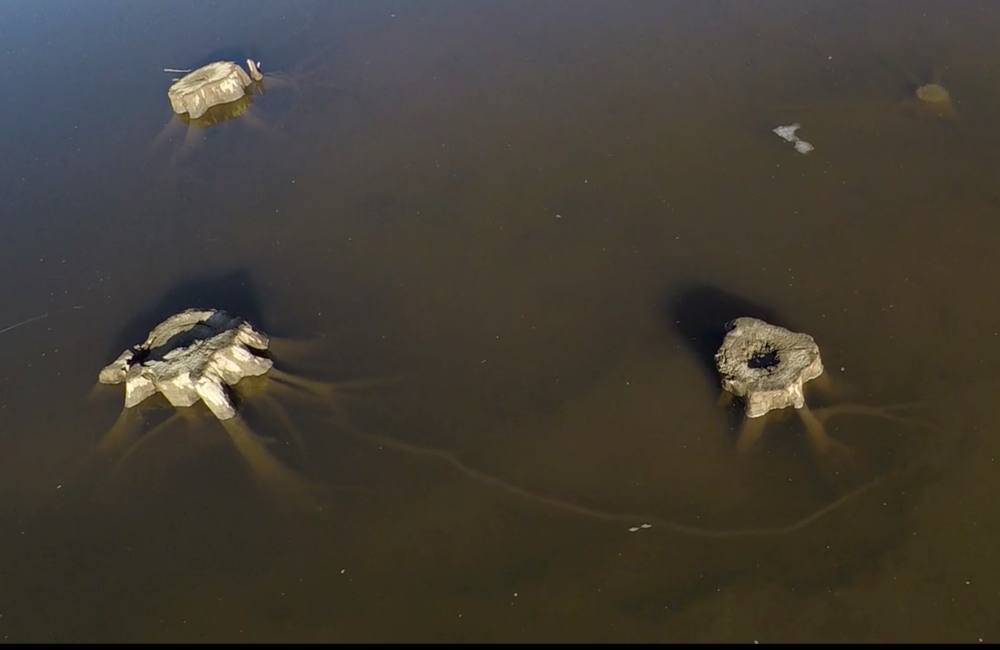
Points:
(700, 315)
(232, 292)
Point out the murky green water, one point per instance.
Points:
(529, 218)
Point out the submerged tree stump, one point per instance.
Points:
(935, 99)
(211, 85)
(188, 357)
(767, 365)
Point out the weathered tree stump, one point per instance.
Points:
(767, 365)
(211, 85)
(188, 357)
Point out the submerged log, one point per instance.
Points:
(188, 357)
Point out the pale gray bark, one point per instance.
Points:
(216, 83)
(767, 365)
(191, 356)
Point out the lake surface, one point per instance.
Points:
(531, 220)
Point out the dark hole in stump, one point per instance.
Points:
(763, 359)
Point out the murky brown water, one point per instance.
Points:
(530, 216)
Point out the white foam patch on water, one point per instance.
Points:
(787, 133)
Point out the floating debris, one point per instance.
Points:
(787, 133)
(254, 69)
(27, 321)
(24, 322)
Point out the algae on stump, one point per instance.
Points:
(191, 356)
(216, 83)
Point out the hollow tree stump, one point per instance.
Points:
(188, 357)
(767, 365)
